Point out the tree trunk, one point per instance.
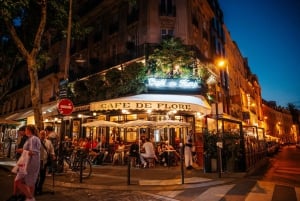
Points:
(35, 92)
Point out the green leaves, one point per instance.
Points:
(114, 83)
(11, 8)
(172, 55)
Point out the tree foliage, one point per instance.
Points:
(133, 78)
(173, 56)
(32, 27)
(114, 83)
(173, 59)
(9, 60)
(27, 38)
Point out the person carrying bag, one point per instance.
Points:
(21, 165)
(24, 183)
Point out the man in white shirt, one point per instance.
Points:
(46, 149)
(52, 136)
(149, 152)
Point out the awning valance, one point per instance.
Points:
(162, 102)
(47, 109)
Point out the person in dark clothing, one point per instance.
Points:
(21, 141)
(134, 151)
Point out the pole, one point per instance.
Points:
(128, 170)
(67, 59)
(60, 159)
(66, 76)
(181, 162)
(219, 151)
(81, 168)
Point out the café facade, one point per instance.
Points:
(152, 107)
(147, 107)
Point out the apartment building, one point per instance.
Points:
(126, 32)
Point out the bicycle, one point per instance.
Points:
(74, 160)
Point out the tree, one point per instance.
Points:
(9, 59)
(27, 28)
(173, 59)
(133, 78)
(11, 10)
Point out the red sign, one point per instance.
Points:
(65, 106)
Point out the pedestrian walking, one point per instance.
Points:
(24, 184)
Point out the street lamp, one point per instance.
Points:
(219, 142)
(220, 63)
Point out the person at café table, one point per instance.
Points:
(101, 152)
(168, 153)
(134, 151)
(149, 152)
(119, 153)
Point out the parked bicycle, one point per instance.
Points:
(74, 160)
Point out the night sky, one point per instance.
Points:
(268, 34)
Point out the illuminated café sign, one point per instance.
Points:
(118, 105)
(169, 83)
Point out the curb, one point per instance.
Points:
(139, 187)
(137, 183)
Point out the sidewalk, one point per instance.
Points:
(116, 177)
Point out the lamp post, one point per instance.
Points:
(220, 63)
(63, 88)
(219, 142)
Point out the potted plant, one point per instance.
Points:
(210, 151)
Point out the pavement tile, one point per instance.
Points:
(117, 177)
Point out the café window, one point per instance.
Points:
(167, 8)
(167, 33)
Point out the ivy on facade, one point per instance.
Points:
(114, 83)
(172, 59)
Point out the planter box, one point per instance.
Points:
(213, 165)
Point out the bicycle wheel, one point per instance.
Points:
(86, 168)
(63, 166)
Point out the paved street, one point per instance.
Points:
(111, 185)
(285, 167)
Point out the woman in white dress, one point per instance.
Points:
(25, 183)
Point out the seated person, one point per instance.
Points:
(160, 150)
(101, 153)
(169, 154)
(149, 152)
(134, 152)
(119, 153)
(90, 144)
(88, 148)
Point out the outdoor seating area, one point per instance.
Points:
(118, 153)
(115, 142)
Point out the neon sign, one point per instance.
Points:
(169, 83)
